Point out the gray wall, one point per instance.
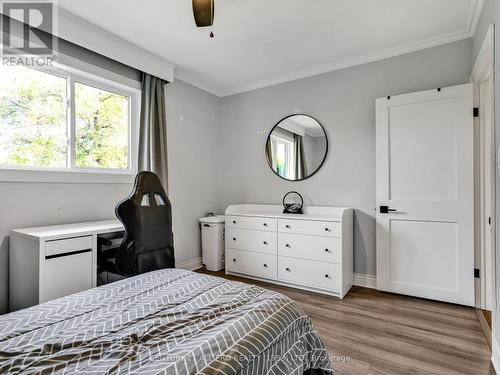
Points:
(344, 102)
(192, 128)
(191, 148)
(491, 15)
(216, 153)
(34, 204)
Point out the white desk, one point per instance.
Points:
(54, 261)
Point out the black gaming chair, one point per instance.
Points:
(148, 243)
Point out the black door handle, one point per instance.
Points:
(386, 209)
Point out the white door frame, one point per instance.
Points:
(483, 79)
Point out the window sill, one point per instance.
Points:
(12, 175)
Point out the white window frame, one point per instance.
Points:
(290, 162)
(72, 173)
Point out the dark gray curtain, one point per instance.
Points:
(300, 158)
(153, 128)
(269, 152)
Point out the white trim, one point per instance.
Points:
(474, 15)
(473, 19)
(484, 73)
(182, 75)
(349, 63)
(495, 354)
(366, 281)
(191, 265)
(68, 176)
(485, 58)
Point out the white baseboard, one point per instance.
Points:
(367, 281)
(495, 354)
(191, 265)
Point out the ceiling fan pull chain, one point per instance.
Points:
(212, 11)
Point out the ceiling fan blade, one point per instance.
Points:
(203, 11)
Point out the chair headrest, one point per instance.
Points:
(148, 190)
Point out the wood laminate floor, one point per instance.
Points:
(386, 334)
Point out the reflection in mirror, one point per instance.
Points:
(296, 147)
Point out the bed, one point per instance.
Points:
(164, 322)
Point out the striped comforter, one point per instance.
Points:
(164, 322)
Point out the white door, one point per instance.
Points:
(425, 247)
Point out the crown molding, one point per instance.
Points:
(182, 75)
(472, 23)
(349, 63)
(474, 16)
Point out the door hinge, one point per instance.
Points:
(476, 112)
(477, 274)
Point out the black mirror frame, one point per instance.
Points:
(326, 150)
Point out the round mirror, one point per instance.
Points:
(296, 147)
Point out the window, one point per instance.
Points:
(102, 128)
(60, 120)
(285, 163)
(33, 119)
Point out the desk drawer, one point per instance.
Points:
(250, 263)
(310, 273)
(315, 228)
(66, 275)
(252, 240)
(323, 249)
(69, 245)
(251, 222)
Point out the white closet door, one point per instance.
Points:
(425, 247)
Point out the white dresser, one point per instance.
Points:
(313, 251)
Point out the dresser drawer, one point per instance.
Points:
(251, 222)
(251, 263)
(310, 273)
(252, 240)
(69, 245)
(323, 249)
(315, 228)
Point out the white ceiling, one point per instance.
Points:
(307, 124)
(263, 42)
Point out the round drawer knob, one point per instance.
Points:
(327, 229)
(265, 266)
(288, 269)
(287, 226)
(327, 276)
(234, 221)
(265, 224)
(288, 245)
(234, 260)
(327, 250)
(234, 238)
(265, 242)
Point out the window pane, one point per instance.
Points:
(101, 128)
(33, 129)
